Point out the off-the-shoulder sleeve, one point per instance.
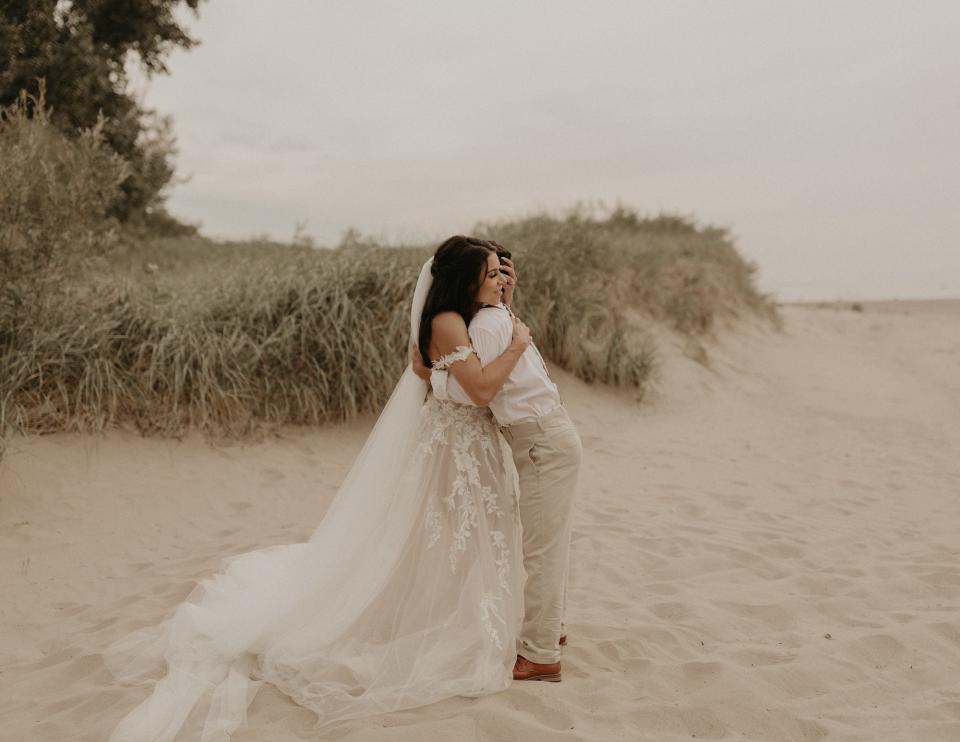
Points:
(460, 353)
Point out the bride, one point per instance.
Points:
(410, 589)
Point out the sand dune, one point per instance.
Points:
(769, 550)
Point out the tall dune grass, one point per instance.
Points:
(185, 334)
(275, 338)
(667, 267)
(176, 334)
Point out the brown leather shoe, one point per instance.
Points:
(524, 669)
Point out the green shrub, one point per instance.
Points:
(54, 194)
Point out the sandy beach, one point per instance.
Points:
(768, 548)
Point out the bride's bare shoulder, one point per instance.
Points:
(449, 327)
(447, 321)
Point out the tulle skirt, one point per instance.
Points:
(409, 591)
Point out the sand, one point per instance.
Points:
(768, 548)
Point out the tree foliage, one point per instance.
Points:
(81, 49)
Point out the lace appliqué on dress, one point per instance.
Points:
(460, 353)
(468, 435)
(489, 608)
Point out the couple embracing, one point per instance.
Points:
(440, 567)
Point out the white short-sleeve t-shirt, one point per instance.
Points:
(528, 392)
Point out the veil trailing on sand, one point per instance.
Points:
(367, 616)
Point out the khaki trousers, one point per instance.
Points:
(547, 452)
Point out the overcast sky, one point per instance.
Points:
(825, 134)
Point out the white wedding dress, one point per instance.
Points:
(408, 592)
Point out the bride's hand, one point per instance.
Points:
(521, 335)
(417, 364)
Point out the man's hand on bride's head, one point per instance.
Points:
(417, 364)
(509, 279)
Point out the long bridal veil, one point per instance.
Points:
(407, 592)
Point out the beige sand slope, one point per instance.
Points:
(768, 551)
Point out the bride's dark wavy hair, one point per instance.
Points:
(457, 265)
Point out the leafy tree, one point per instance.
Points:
(80, 48)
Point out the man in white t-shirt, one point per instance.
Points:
(547, 452)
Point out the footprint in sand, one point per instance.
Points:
(71, 609)
(772, 617)
(703, 723)
(731, 502)
(948, 631)
(100, 626)
(700, 674)
(761, 657)
(533, 703)
(877, 650)
(662, 588)
(670, 611)
(269, 475)
(939, 712)
(780, 551)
